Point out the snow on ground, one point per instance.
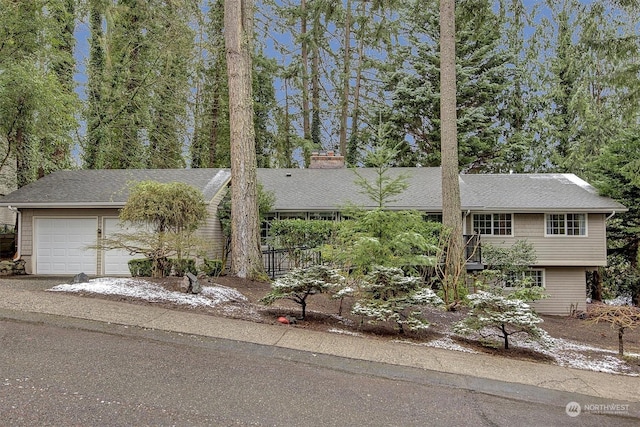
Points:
(343, 332)
(445, 343)
(564, 352)
(209, 297)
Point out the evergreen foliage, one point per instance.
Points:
(496, 315)
(300, 284)
(165, 217)
(387, 295)
(508, 266)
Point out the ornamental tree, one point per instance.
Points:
(496, 315)
(165, 217)
(621, 317)
(386, 294)
(299, 284)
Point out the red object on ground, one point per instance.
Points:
(283, 320)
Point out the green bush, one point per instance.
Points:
(182, 266)
(212, 267)
(140, 267)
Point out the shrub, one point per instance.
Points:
(140, 267)
(389, 295)
(182, 266)
(299, 284)
(212, 267)
(496, 315)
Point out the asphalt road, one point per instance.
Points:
(63, 372)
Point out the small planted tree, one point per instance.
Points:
(496, 315)
(165, 217)
(621, 317)
(400, 239)
(510, 266)
(300, 284)
(387, 295)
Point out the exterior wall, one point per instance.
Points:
(567, 291)
(8, 184)
(211, 230)
(586, 251)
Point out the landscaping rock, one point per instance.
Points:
(195, 287)
(6, 268)
(184, 285)
(190, 284)
(19, 267)
(80, 278)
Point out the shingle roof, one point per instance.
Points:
(326, 189)
(108, 187)
(538, 192)
(330, 189)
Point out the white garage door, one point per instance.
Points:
(62, 245)
(115, 260)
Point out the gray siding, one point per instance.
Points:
(211, 230)
(585, 251)
(567, 290)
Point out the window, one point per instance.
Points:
(433, 217)
(566, 225)
(292, 215)
(264, 228)
(496, 224)
(533, 277)
(323, 216)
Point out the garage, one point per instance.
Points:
(115, 260)
(63, 245)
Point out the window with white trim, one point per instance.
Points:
(497, 224)
(530, 278)
(570, 224)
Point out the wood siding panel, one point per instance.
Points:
(567, 290)
(211, 230)
(585, 251)
(28, 221)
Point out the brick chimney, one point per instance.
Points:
(328, 160)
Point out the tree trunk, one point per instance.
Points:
(620, 342)
(346, 81)
(451, 210)
(246, 260)
(505, 336)
(306, 126)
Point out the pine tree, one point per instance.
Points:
(246, 260)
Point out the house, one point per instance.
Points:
(560, 214)
(63, 214)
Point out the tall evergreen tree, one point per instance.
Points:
(96, 140)
(413, 85)
(451, 210)
(246, 260)
(37, 102)
(171, 85)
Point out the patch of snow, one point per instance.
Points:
(140, 289)
(619, 301)
(448, 344)
(343, 332)
(579, 356)
(445, 343)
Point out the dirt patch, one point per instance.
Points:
(590, 343)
